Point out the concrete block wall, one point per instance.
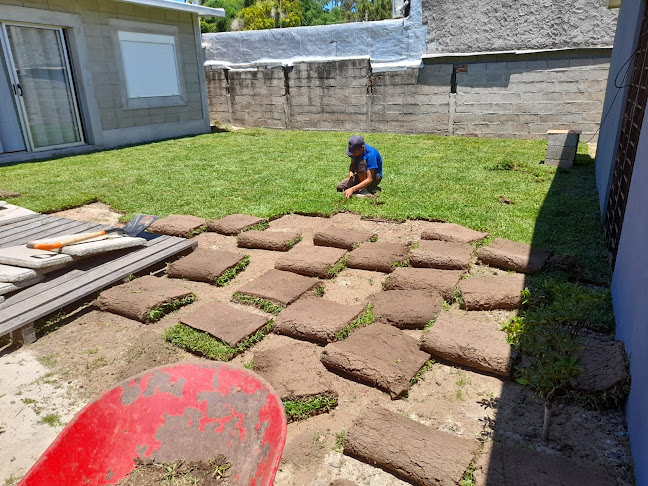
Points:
(257, 97)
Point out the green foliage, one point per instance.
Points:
(159, 312)
(262, 226)
(420, 374)
(338, 267)
(293, 242)
(339, 441)
(302, 408)
(220, 24)
(362, 320)
(229, 274)
(316, 12)
(51, 419)
(359, 10)
(270, 14)
(263, 304)
(319, 290)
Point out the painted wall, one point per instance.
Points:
(501, 25)
(624, 44)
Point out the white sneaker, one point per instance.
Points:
(364, 193)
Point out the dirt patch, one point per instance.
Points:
(603, 366)
(224, 322)
(380, 256)
(441, 254)
(138, 297)
(344, 238)
(312, 261)
(6, 194)
(268, 240)
(408, 278)
(409, 449)
(407, 309)
(499, 292)
(93, 213)
(204, 265)
(294, 370)
(379, 355)
(179, 472)
(316, 319)
(183, 225)
(451, 232)
(278, 286)
(512, 255)
(233, 224)
(343, 482)
(467, 342)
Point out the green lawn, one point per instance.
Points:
(268, 173)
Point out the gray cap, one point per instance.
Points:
(355, 143)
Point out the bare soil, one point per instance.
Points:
(194, 472)
(92, 351)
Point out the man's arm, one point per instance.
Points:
(366, 178)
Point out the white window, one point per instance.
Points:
(150, 65)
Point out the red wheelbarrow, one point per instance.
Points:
(191, 411)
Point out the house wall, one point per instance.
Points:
(91, 26)
(511, 96)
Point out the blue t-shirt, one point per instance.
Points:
(373, 159)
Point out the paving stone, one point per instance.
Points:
(310, 261)
(268, 240)
(512, 255)
(507, 465)
(135, 299)
(279, 286)
(499, 292)
(408, 278)
(345, 238)
(21, 256)
(6, 288)
(294, 370)
(99, 246)
(379, 256)
(177, 225)
(6, 194)
(441, 254)
(224, 322)
(379, 355)
(407, 309)
(408, 449)
(14, 213)
(11, 274)
(603, 365)
(204, 265)
(316, 319)
(233, 224)
(452, 232)
(467, 342)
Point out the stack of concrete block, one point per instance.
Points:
(561, 147)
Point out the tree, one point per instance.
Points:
(270, 14)
(315, 12)
(221, 24)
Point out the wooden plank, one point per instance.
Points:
(23, 219)
(16, 227)
(94, 280)
(56, 229)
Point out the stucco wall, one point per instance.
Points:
(501, 25)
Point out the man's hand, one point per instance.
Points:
(348, 193)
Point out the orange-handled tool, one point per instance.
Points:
(53, 245)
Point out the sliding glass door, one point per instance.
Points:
(41, 83)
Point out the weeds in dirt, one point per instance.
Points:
(229, 274)
(303, 408)
(397, 264)
(263, 304)
(249, 365)
(373, 239)
(468, 478)
(221, 465)
(333, 270)
(293, 242)
(611, 399)
(339, 441)
(420, 374)
(47, 379)
(28, 401)
(362, 320)
(159, 312)
(446, 306)
(262, 226)
(430, 323)
(319, 290)
(458, 298)
(203, 344)
(197, 231)
(51, 419)
(98, 362)
(48, 361)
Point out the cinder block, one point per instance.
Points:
(567, 138)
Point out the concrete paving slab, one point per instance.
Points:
(408, 278)
(408, 449)
(11, 274)
(268, 240)
(407, 309)
(452, 232)
(182, 225)
(294, 370)
(512, 255)
(380, 256)
(12, 213)
(379, 355)
(224, 322)
(279, 286)
(603, 365)
(21, 256)
(316, 319)
(338, 237)
(446, 255)
(467, 342)
(204, 265)
(507, 465)
(310, 261)
(6, 288)
(233, 224)
(99, 246)
(497, 292)
(135, 299)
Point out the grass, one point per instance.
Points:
(339, 441)
(420, 374)
(337, 267)
(203, 344)
(362, 320)
(229, 274)
(263, 304)
(168, 307)
(51, 419)
(302, 408)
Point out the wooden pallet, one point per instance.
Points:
(69, 285)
